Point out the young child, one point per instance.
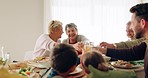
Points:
(95, 59)
(63, 60)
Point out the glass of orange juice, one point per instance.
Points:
(88, 46)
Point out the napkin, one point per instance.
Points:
(95, 73)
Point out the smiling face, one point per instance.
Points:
(71, 33)
(136, 26)
(129, 31)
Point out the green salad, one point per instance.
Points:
(25, 71)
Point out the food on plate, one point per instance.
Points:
(122, 64)
(18, 65)
(39, 58)
(21, 65)
(25, 71)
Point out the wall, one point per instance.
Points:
(21, 22)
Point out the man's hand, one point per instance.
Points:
(105, 44)
(100, 49)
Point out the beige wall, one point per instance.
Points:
(21, 22)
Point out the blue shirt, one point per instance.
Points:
(52, 74)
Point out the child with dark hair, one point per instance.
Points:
(94, 59)
(63, 60)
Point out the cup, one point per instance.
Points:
(7, 57)
(88, 46)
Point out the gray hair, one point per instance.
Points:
(70, 25)
(53, 24)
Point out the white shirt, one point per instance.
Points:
(43, 46)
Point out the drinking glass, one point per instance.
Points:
(88, 46)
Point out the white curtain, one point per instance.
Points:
(98, 20)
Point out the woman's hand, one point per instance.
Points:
(79, 46)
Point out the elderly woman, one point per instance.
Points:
(73, 37)
(46, 42)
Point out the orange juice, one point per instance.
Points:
(87, 48)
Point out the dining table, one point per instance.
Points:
(41, 68)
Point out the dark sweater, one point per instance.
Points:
(138, 52)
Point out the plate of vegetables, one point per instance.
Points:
(26, 72)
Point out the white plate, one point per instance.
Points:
(123, 66)
(77, 70)
(45, 63)
(38, 65)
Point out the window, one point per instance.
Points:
(98, 20)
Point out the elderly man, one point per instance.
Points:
(139, 21)
(129, 31)
(125, 44)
